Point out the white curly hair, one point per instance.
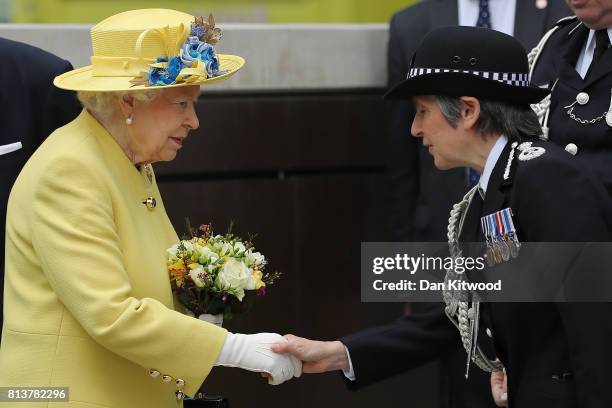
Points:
(105, 104)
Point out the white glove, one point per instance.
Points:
(252, 352)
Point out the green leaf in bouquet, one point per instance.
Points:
(214, 304)
(227, 313)
(190, 230)
(238, 307)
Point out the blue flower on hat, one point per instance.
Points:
(206, 52)
(160, 76)
(186, 59)
(196, 47)
(198, 31)
(174, 67)
(212, 67)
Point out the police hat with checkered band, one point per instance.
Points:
(470, 61)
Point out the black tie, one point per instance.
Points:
(484, 14)
(602, 42)
(484, 20)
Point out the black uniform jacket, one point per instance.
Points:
(555, 354)
(585, 125)
(31, 109)
(421, 196)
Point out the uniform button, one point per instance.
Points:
(582, 98)
(166, 378)
(489, 333)
(571, 149)
(153, 373)
(180, 383)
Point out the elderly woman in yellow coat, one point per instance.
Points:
(88, 303)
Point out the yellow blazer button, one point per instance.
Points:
(150, 203)
(166, 378)
(153, 373)
(180, 383)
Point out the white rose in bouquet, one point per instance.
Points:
(197, 274)
(234, 275)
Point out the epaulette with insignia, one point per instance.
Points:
(525, 152)
(534, 54)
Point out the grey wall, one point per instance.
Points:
(279, 57)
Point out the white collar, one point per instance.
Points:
(492, 158)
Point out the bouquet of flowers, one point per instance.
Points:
(217, 274)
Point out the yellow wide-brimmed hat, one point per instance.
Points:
(151, 49)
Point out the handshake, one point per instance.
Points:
(280, 358)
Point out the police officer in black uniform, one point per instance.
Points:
(552, 352)
(575, 60)
(31, 109)
(555, 354)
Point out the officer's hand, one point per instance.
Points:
(316, 356)
(499, 388)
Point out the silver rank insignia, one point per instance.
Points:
(528, 152)
(500, 234)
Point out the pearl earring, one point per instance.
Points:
(128, 120)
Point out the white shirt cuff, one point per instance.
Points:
(8, 148)
(350, 373)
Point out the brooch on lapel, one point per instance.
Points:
(148, 172)
(500, 234)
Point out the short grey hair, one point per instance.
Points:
(495, 117)
(105, 103)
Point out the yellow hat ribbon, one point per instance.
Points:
(134, 66)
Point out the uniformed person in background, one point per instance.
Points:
(555, 354)
(575, 60)
(31, 109)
